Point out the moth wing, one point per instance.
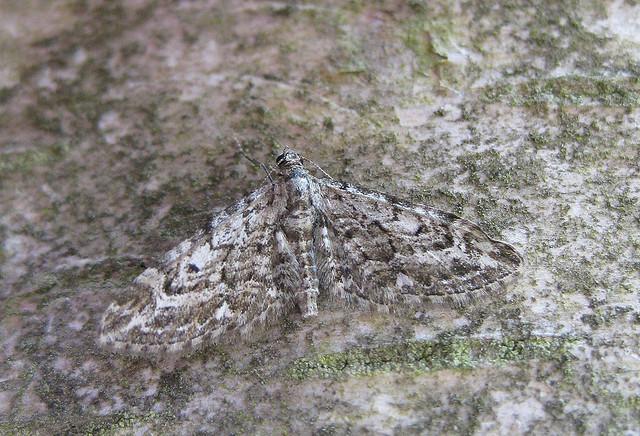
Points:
(218, 282)
(389, 253)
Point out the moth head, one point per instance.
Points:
(289, 159)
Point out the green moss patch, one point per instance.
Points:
(123, 422)
(117, 423)
(568, 90)
(428, 43)
(456, 353)
(25, 161)
(490, 168)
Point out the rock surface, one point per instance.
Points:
(116, 127)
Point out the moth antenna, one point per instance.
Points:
(317, 166)
(252, 160)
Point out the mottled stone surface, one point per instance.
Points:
(116, 126)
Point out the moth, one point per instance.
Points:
(299, 242)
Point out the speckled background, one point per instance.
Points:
(116, 127)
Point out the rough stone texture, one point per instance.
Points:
(116, 126)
